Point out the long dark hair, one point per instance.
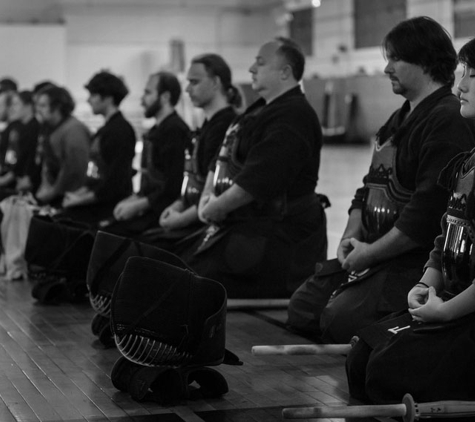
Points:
(424, 42)
(216, 66)
(467, 54)
(59, 99)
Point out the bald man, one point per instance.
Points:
(266, 226)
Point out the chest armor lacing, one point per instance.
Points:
(193, 181)
(457, 257)
(11, 157)
(94, 164)
(227, 166)
(385, 197)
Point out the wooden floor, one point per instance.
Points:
(52, 368)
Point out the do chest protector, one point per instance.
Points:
(193, 181)
(95, 162)
(228, 166)
(458, 261)
(385, 197)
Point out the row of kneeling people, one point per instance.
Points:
(245, 213)
(235, 199)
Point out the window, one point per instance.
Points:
(301, 29)
(464, 18)
(374, 18)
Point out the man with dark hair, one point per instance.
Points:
(32, 182)
(292, 54)
(265, 224)
(37, 88)
(65, 149)
(105, 84)
(8, 85)
(162, 160)
(109, 173)
(18, 145)
(395, 216)
(9, 129)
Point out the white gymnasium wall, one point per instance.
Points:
(132, 38)
(32, 53)
(136, 41)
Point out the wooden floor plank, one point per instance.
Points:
(15, 402)
(53, 395)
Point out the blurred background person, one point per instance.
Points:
(19, 148)
(210, 88)
(162, 160)
(109, 174)
(65, 147)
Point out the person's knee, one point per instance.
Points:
(300, 314)
(355, 366)
(336, 324)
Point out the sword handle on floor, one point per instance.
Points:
(305, 349)
(409, 410)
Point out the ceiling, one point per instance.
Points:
(53, 11)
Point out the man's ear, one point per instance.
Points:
(108, 100)
(286, 72)
(165, 97)
(217, 82)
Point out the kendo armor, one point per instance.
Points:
(95, 162)
(57, 253)
(385, 197)
(226, 166)
(458, 261)
(223, 175)
(169, 324)
(11, 157)
(108, 257)
(193, 181)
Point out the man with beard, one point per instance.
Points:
(210, 88)
(395, 216)
(162, 160)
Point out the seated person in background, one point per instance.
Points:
(265, 225)
(162, 160)
(32, 179)
(8, 135)
(210, 88)
(427, 350)
(8, 84)
(7, 87)
(65, 149)
(113, 149)
(20, 147)
(395, 216)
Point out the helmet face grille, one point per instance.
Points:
(174, 318)
(145, 351)
(101, 304)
